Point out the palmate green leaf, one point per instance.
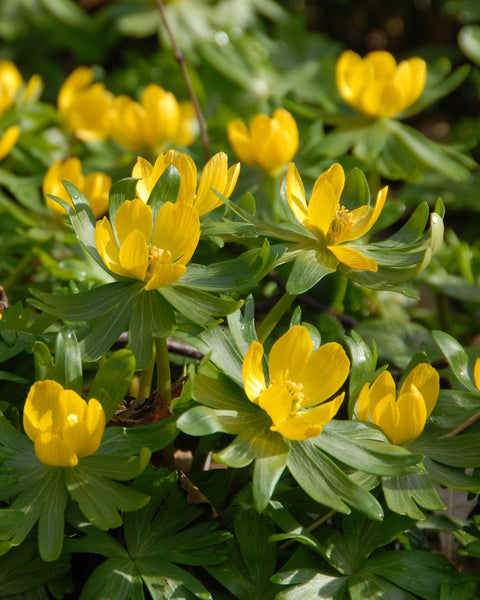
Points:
(112, 380)
(157, 535)
(266, 474)
(405, 494)
(371, 143)
(457, 359)
(223, 353)
(454, 407)
(68, 361)
(132, 439)
(457, 451)
(319, 585)
(21, 570)
(451, 477)
(251, 559)
(326, 483)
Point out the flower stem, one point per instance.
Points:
(183, 68)
(164, 384)
(274, 316)
(145, 384)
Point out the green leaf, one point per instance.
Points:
(115, 578)
(100, 498)
(356, 192)
(237, 275)
(68, 361)
(266, 473)
(404, 494)
(242, 327)
(308, 269)
(326, 483)
(120, 440)
(363, 363)
(458, 451)
(457, 358)
(112, 380)
(452, 478)
(51, 521)
(43, 359)
(165, 190)
(125, 189)
(469, 42)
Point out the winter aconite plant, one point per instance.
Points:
(239, 299)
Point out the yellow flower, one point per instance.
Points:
(330, 222)
(95, 186)
(402, 420)
(153, 252)
(268, 144)
(63, 426)
(8, 140)
(149, 124)
(376, 85)
(10, 82)
(216, 175)
(299, 379)
(85, 107)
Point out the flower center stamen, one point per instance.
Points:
(296, 393)
(341, 225)
(158, 255)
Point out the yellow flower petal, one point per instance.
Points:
(96, 189)
(335, 175)
(134, 255)
(385, 414)
(289, 355)
(296, 194)
(133, 214)
(412, 74)
(8, 140)
(143, 172)
(214, 176)
(164, 274)
(52, 450)
(252, 371)
(412, 416)
(353, 258)
(95, 425)
(427, 381)
(325, 372)
(308, 423)
(363, 404)
(108, 248)
(42, 398)
(322, 208)
(476, 373)
(276, 401)
(177, 229)
(384, 385)
(239, 139)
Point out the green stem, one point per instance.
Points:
(145, 385)
(272, 191)
(338, 300)
(274, 316)
(164, 384)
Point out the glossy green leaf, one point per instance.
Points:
(308, 269)
(165, 190)
(266, 474)
(405, 494)
(68, 361)
(457, 358)
(44, 367)
(356, 192)
(363, 363)
(469, 42)
(125, 189)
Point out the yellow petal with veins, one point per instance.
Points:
(296, 194)
(324, 374)
(427, 381)
(289, 355)
(353, 258)
(134, 255)
(133, 214)
(177, 229)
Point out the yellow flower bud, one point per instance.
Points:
(268, 144)
(85, 106)
(376, 85)
(299, 381)
(10, 82)
(216, 175)
(155, 252)
(95, 186)
(402, 419)
(63, 426)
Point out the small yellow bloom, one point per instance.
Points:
(476, 373)
(10, 82)
(153, 252)
(85, 107)
(95, 186)
(63, 426)
(403, 419)
(268, 144)
(216, 175)
(299, 379)
(376, 85)
(8, 140)
(330, 222)
(149, 124)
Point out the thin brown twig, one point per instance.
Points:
(183, 67)
(463, 426)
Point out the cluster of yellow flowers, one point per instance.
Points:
(11, 87)
(94, 113)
